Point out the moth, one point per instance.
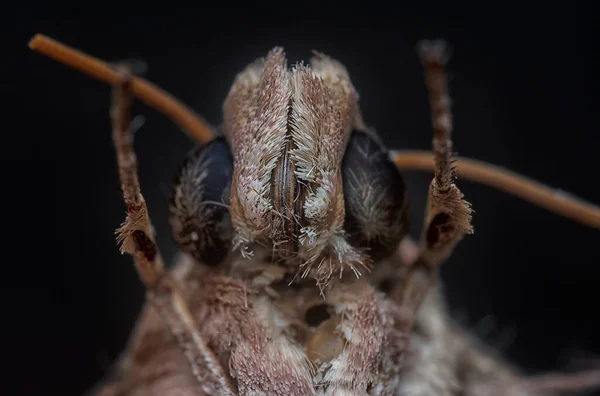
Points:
(296, 274)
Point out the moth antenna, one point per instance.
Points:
(137, 239)
(145, 91)
(554, 200)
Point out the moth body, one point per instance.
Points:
(296, 275)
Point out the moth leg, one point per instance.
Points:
(448, 215)
(137, 239)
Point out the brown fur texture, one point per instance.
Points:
(255, 337)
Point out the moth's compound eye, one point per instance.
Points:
(375, 196)
(199, 205)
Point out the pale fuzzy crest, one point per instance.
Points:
(313, 109)
(323, 109)
(255, 125)
(324, 104)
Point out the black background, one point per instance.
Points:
(525, 90)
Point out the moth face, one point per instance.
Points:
(305, 181)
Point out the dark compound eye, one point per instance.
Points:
(199, 205)
(375, 196)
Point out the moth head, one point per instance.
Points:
(301, 182)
